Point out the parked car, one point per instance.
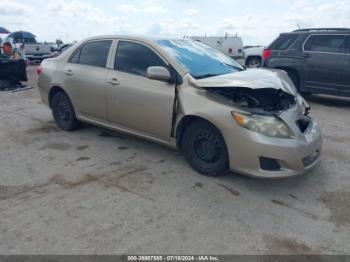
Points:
(317, 60)
(231, 46)
(253, 56)
(186, 95)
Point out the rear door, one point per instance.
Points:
(324, 62)
(134, 101)
(345, 90)
(85, 79)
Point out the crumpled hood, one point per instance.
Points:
(251, 78)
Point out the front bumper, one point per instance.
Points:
(294, 156)
(38, 57)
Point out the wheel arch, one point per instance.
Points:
(54, 90)
(251, 57)
(185, 122)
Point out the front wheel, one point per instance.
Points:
(205, 149)
(63, 112)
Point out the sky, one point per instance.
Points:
(257, 22)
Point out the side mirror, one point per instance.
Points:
(158, 73)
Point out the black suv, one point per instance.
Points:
(317, 60)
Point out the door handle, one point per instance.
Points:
(113, 82)
(68, 72)
(306, 55)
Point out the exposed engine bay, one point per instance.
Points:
(267, 101)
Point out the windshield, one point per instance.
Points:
(200, 60)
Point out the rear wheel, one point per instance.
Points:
(63, 112)
(205, 149)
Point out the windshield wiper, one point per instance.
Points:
(233, 66)
(205, 76)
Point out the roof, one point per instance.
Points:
(142, 38)
(328, 30)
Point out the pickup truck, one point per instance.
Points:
(37, 52)
(253, 56)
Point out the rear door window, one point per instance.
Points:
(92, 54)
(74, 59)
(284, 41)
(135, 58)
(325, 43)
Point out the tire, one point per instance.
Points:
(205, 149)
(253, 62)
(63, 112)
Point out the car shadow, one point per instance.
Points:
(261, 186)
(327, 100)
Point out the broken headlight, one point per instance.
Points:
(267, 125)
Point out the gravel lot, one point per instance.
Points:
(98, 192)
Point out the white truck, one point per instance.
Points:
(231, 46)
(253, 56)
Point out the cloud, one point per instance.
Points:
(155, 9)
(8, 8)
(155, 29)
(262, 29)
(127, 8)
(191, 12)
(77, 19)
(173, 28)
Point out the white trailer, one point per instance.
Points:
(229, 45)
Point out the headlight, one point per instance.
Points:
(267, 125)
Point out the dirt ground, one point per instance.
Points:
(93, 191)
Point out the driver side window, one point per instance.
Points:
(135, 58)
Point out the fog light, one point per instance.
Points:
(269, 164)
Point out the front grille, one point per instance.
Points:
(304, 124)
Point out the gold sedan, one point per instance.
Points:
(186, 95)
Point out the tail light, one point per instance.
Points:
(39, 69)
(266, 53)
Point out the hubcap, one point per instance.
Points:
(254, 64)
(207, 147)
(63, 110)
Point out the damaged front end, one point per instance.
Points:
(264, 101)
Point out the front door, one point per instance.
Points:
(134, 101)
(85, 79)
(324, 61)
